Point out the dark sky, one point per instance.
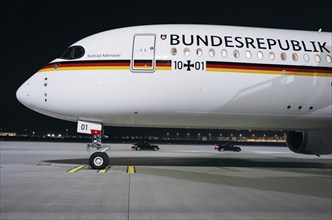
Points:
(33, 33)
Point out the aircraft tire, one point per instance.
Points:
(99, 160)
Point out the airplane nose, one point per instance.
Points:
(22, 94)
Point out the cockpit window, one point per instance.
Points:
(67, 54)
(73, 52)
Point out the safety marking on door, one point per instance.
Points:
(104, 170)
(75, 169)
(131, 169)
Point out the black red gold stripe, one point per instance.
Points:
(106, 65)
(213, 66)
(164, 64)
(142, 64)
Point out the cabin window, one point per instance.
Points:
(272, 56)
(224, 53)
(73, 52)
(248, 54)
(173, 51)
(186, 51)
(260, 55)
(236, 54)
(317, 58)
(294, 57)
(283, 56)
(306, 57)
(328, 59)
(199, 52)
(211, 52)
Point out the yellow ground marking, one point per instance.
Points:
(104, 170)
(75, 169)
(131, 169)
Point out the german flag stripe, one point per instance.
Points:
(213, 66)
(143, 64)
(106, 65)
(164, 65)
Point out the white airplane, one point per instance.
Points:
(192, 76)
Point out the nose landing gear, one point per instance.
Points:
(99, 159)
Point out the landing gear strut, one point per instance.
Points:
(99, 159)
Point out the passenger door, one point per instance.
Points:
(143, 55)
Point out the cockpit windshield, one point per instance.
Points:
(73, 52)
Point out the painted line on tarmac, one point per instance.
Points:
(104, 170)
(75, 169)
(131, 169)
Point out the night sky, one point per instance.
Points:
(33, 33)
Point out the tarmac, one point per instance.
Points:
(54, 181)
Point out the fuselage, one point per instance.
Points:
(190, 76)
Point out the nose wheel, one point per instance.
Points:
(99, 160)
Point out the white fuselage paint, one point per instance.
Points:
(189, 99)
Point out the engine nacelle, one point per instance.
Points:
(316, 142)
